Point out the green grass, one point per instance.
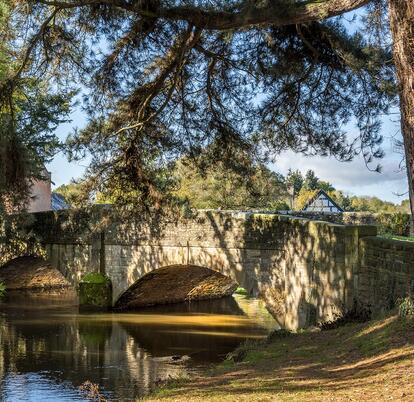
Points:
(395, 237)
(241, 291)
(353, 362)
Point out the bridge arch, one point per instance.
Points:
(125, 265)
(29, 272)
(176, 283)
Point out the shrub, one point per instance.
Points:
(405, 306)
(280, 206)
(17, 238)
(396, 224)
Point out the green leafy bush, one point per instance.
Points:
(396, 224)
(405, 306)
(280, 206)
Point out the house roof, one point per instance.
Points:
(58, 202)
(317, 195)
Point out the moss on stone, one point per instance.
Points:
(241, 291)
(95, 291)
(95, 277)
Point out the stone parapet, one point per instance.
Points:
(386, 272)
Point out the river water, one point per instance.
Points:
(48, 349)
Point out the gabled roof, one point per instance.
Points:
(317, 195)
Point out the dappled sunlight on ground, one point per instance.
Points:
(357, 362)
(377, 326)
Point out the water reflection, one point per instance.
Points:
(48, 349)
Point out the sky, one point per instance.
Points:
(354, 178)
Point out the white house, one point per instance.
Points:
(321, 202)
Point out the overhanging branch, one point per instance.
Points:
(276, 13)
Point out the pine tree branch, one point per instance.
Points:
(276, 13)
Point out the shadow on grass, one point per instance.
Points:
(346, 358)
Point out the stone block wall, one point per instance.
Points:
(72, 260)
(307, 271)
(386, 272)
(302, 269)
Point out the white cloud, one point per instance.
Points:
(353, 177)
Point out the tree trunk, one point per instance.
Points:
(402, 28)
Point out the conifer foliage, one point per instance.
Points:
(166, 79)
(29, 113)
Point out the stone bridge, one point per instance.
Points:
(304, 270)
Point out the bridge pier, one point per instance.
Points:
(95, 292)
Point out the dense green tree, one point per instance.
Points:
(73, 193)
(221, 187)
(375, 205)
(294, 181)
(343, 200)
(311, 181)
(213, 187)
(325, 185)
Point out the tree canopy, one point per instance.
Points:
(215, 187)
(169, 79)
(220, 187)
